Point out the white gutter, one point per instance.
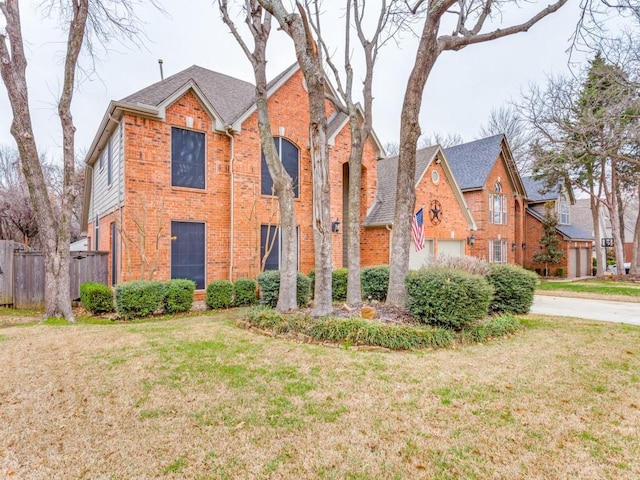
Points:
(231, 229)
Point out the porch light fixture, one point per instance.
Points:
(524, 245)
(471, 240)
(335, 226)
(514, 245)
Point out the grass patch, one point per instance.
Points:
(196, 397)
(358, 331)
(597, 287)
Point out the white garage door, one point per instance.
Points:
(451, 248)
(422, 258)
(574, 259)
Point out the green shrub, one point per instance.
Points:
(375, 282)
(560, 272)
(178, 295)
(312, 285)
(138, 299)
(339, 279)
(513, 288)
(244, 292)
(448, 298)
(492, 328)
(96, 297)
(269, 283)
(219, 294)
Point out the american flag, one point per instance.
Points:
(417, 228)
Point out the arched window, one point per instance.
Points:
(498, 205)
(290, 157)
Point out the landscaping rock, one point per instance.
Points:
(368, 313)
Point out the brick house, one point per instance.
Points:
(575, 242)
(494, 192)
(177, 188)
(448, 222)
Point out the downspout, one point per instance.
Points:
(389, 229)
(232, 203)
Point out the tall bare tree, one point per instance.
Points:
(360, 115)
(507, 120)
(101, 19)
(309, 57)
(470, 17)
(259, 23)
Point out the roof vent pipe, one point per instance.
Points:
(161, 74)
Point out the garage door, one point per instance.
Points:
(574, 260)
(422, 258)
(585, 267)
(451, 248)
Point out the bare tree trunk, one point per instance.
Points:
(409, 133)
(55, 239)
(612, 203)
(354, 292)
(635, 253)
(601, 259)
(310, 61)
(259, 23)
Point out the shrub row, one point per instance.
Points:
(269, 283)
(139, 298)
(373, 281)
(224, 294)
(358, 331)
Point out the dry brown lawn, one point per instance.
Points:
(197, 398)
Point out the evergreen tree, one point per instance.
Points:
(551, 252)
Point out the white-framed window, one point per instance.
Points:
(498, 205)
(187, 158)
(290, 158)
(497, 251)
(271, 246)
(563, 210)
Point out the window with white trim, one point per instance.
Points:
(290, 158)
(497, 251)
(563, 210)
(498, 205)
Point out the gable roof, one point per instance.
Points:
(383, 209)
(569, 232)
(473, 161)
(229, 96)
(537, 191)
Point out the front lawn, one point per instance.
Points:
(598, 287)
(197, 398)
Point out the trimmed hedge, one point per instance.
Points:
(219, 294)
(448, 298)
(339, 279)
(138, 299)
(96, 297)
(178, 295)
(375, 282)
(244, 292)
(513, 288)
(269, 283)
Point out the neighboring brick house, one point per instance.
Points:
(493, 189)
(447, 219)
(575, 242)
(176, 184)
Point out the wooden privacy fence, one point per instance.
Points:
(22, 277)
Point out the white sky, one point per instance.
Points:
(463, 87)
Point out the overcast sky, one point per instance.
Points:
(462, 89)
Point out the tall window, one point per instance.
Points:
(498, 206)
(497, 251)
(271, 246)
(188, 252)
(563, 209)
(109, 163)
(187, 158)
(290, 157)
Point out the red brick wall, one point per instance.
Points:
(478, 201)
(151, 203)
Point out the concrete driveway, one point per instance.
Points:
(605, 310)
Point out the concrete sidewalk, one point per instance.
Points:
(605, 310)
